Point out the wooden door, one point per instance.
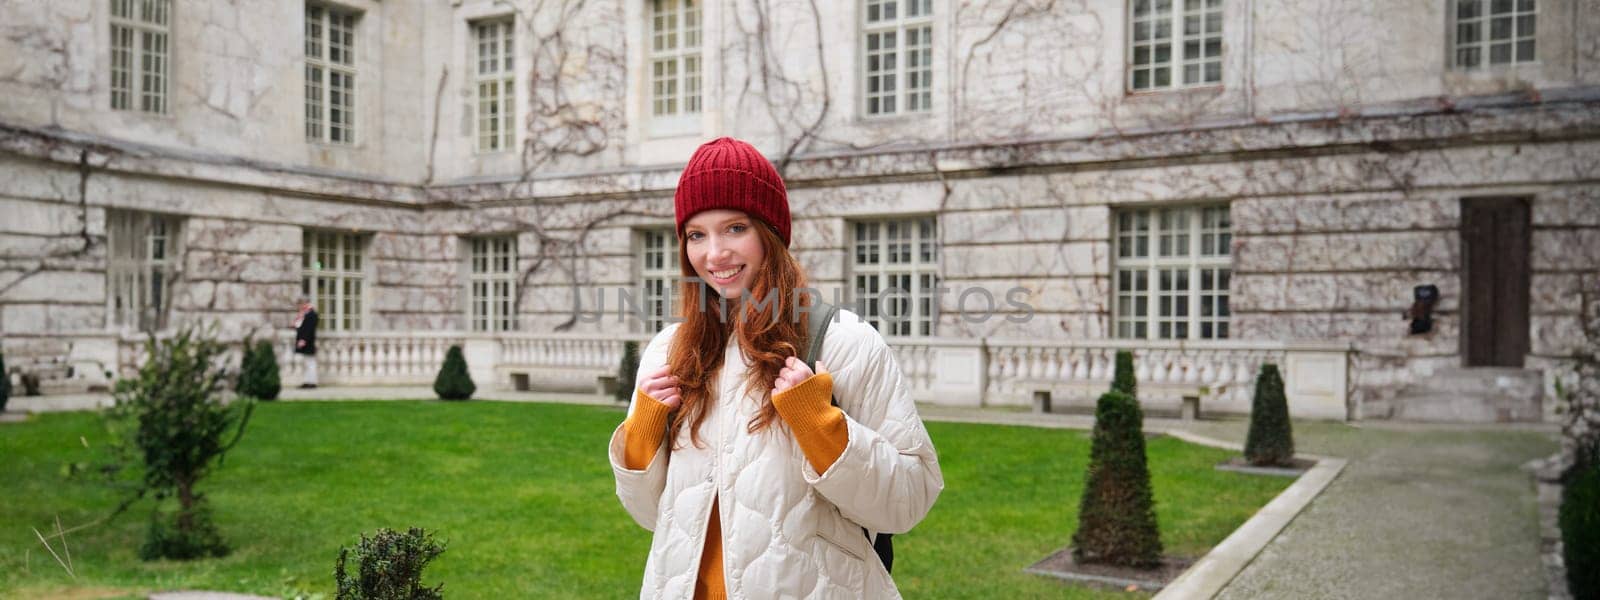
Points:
(1495, 241)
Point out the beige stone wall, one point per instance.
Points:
(236, 87)
(785, 74)
(1338, 137)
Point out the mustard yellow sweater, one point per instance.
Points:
(818, 426)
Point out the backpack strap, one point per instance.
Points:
(821, 315)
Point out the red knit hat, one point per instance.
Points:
(728, 173)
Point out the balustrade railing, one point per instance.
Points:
(976, 372)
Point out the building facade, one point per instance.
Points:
(1010, 191)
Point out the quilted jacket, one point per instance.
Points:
(788, 531)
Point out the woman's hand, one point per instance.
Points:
(794, 373)
(663, 387)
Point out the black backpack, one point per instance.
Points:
(823, 313)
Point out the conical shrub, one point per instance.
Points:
(453, 382)
(1116, 516)
(1270, 441)
(1124, 381)
(258, 372)
(627, 372)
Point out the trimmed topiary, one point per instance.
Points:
(388, 567)
(1116, 516)
(627, 372)
(1270, 442)
(453, 382)
(1579, 517)
(1124, 381)
(258, 372)
(5, 383)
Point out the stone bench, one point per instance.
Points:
(1045, 394)
(526, 378)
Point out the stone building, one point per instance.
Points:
(1213, 183)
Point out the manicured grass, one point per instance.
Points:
(524, 497)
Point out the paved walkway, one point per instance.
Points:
(1421, 511)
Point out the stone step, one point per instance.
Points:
(1474, 395)
(1465, 408)
(1481, 380)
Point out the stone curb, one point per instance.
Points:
(1218, 567)
(1207, 576)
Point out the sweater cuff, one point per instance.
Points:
(645, 429)
(819, 427)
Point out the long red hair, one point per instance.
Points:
(766, 339)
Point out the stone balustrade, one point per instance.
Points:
(955, 371)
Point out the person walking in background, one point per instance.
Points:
(305, 340)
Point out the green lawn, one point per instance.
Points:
(524, 496)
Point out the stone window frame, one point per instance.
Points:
(1171, 271)
(495, 82)
(326, 61)
(658, 273)
(1520, 39)
(141, 55)
(1193, 44)
(491, 283)
(142, 258)
(876, 266)
(898, 22)
(674, 65)
(346, 282)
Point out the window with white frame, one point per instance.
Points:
(674, 57)
(659, 273)
(1172, 268)
(1161, 55)
(142, 259)
(492, 283)
(496, 83)
(1493, 32)
(140, 30)
(330, 75)
(894, 269)
(333, 277)
(898, 56)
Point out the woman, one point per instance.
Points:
(755, 484)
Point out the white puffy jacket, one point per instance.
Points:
(788, 531)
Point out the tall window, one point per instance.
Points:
(142, 259)
(139, 54)
(1501, 29)
(492, 283)
(1172, 271)
(894, 268)
(658, 276)
(898, 50)
(330, 75)
(496, 84)
(333, 277)
(674, 57)
(1163, 56)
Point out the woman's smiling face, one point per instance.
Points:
(724, 249)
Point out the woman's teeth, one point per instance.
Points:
(728, 274)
